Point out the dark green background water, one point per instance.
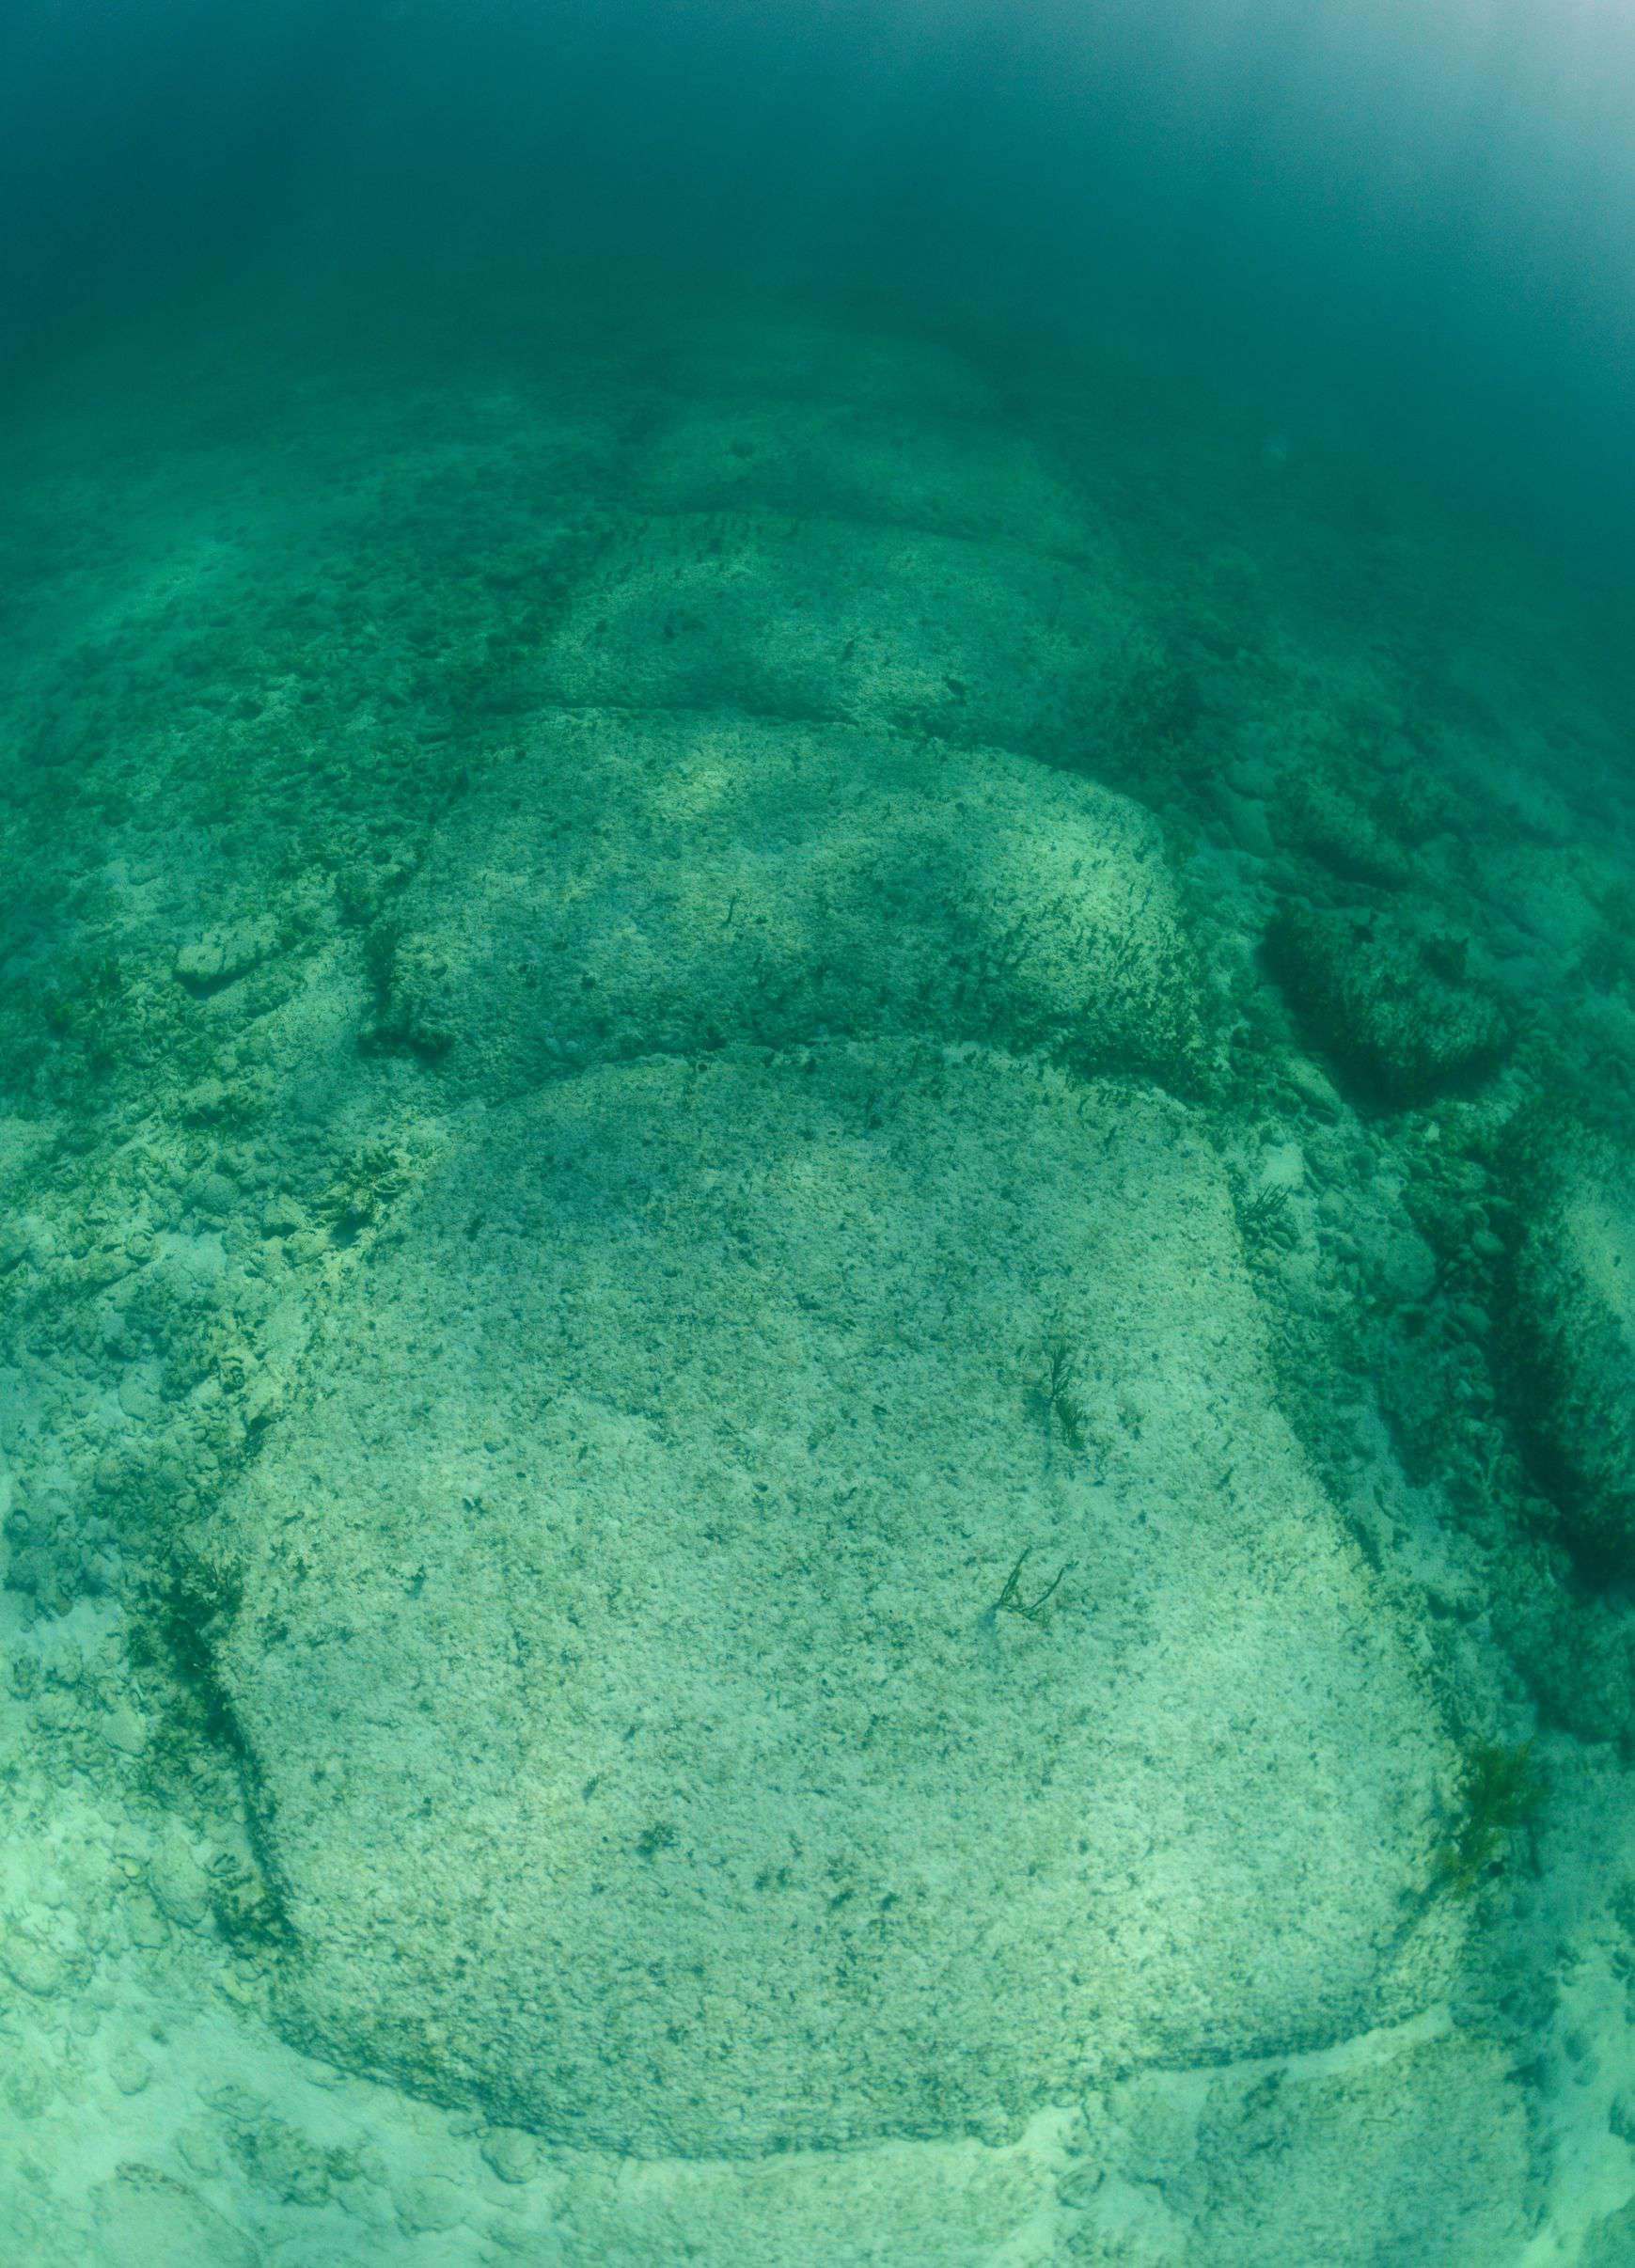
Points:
(1413, 222)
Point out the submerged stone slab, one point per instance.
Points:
(783, 1612)
(623, 887)
(798, 354)
(1408, 2144)
(930, 633)
(873, 464)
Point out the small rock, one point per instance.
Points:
(56, 1710)
(141, 1391)
(284, 2162)
(1312, 1085)
(180, 1885)
(123, 1729)
(27, 2086)
(200, 2147)
(205, 1103)
(129, 2069)
(38, 1968)
(146, 2217)
(511, 2154)
(148, 1927)
(429, 2206)
(216, 1196)
(221, 957)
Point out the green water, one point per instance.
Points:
(816, 1224)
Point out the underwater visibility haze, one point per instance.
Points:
(817, 1134)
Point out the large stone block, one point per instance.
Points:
(874, 464)
(624, 888)
(825, 621)
(665, 1729)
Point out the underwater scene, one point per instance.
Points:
(817, 1134)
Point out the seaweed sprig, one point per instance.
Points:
(1011, 1601)
(1499, 1789)
(1266, 1218)
(1059, 1394)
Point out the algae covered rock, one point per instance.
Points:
(1391, 994)
(1610, 2243)
(1575, 1339)
(623, 888)
(1326, 818)
(784, 1611)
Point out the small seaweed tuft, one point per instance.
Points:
(1265, 1220)
(89, 1010)
(364, 1191)
(1499, 1789)
(1058, 1396)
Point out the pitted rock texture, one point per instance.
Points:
(642, 1745)
(621, 887)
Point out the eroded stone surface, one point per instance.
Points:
(621, 887)
(927, 633)
(640, 1748)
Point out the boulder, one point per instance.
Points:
(1391, 994)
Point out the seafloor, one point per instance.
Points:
(817, 1267)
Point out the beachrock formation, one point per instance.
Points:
(712, 1452)
(782, 1611)
(620, 887)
